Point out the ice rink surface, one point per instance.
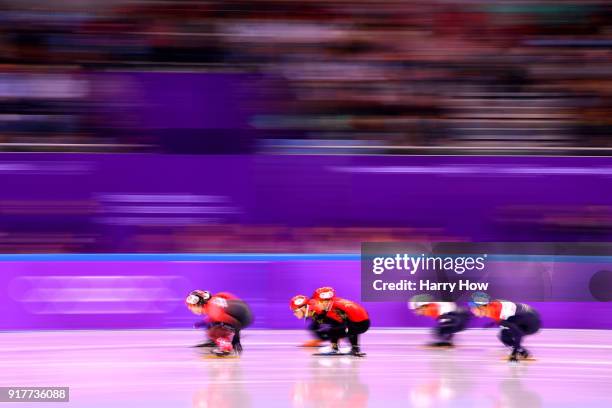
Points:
(159, 369)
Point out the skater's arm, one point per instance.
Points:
(201, 324)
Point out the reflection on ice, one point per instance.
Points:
(331, 382)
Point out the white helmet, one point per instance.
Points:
(198, 297)
(419, 301)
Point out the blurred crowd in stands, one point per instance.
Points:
(357, 76)
(78, 234)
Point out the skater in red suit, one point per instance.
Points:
(300, 309)
(226, 316)
(205, 323)
(450, 319)
(339, 318)
(516, 320)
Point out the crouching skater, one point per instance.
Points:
(516, 321)
(450, 318)
(225, 317)
(339, 318)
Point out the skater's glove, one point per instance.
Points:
(201, 324)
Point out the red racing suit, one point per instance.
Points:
(227, 315)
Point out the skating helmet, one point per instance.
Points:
(419, 301)
(479, 299)
(298, 301)
(198, 297)
(324, 293)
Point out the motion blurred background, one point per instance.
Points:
(286, 127)
(317, 76)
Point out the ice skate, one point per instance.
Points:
(520, 354)
(332, 350)
(524, 355)
(440, 345)
(208, 343)
(356, 352)
(513, 357)
(219, 353)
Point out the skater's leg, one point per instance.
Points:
(204, 324)
(241, 312)
(332, 332)
(236, 344)
(223, 336)
(335, 334)
(511, 335)
(448, 325)
(353, 332)
(446, 328)
(527, 323)
(355, 329)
